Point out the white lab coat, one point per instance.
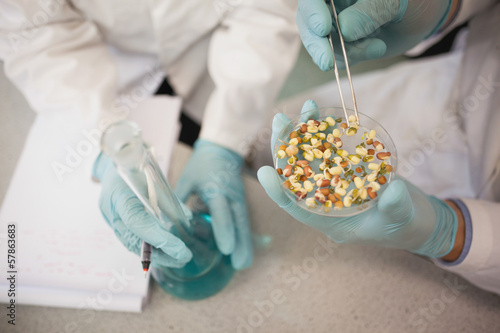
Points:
(443, 114)
(228, 58)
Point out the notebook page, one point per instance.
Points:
(63, 242)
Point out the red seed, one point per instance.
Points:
(323, 183)
(319, 197)
(338, 142)
(302, 163)
(308, 171)
(299, 195)
(325, 191)
(384, 156)
(288, 171)
(335, 180)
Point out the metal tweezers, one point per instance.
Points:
(335, 68)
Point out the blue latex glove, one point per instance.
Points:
(214, 174)
(404, 217)
(371, 28)
(130, 221)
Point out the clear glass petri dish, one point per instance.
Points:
(362, 194)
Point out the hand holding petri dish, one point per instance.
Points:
(331, 168)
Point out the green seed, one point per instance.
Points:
(351, 131)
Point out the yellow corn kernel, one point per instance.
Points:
(340, 191)
(335, 170)
(347, 201)
(375, 186)
(330, 121)
(361, 151)
(358, 182)
(308, 186)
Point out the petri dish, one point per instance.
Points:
(320, 142)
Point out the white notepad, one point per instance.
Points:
(67, 256)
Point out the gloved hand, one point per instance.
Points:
(404, 217)
(214, 174)
(130, 221)
(371, 28)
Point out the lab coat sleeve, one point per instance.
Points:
(58, 60)
(467, 10)
(480, 259)
(250, 56)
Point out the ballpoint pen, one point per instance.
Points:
(146, 251)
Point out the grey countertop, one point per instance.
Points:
(299, 282)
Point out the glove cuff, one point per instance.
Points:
(442, 240)
(440, 26)
(101, 165)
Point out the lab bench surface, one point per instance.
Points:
(299, 282)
